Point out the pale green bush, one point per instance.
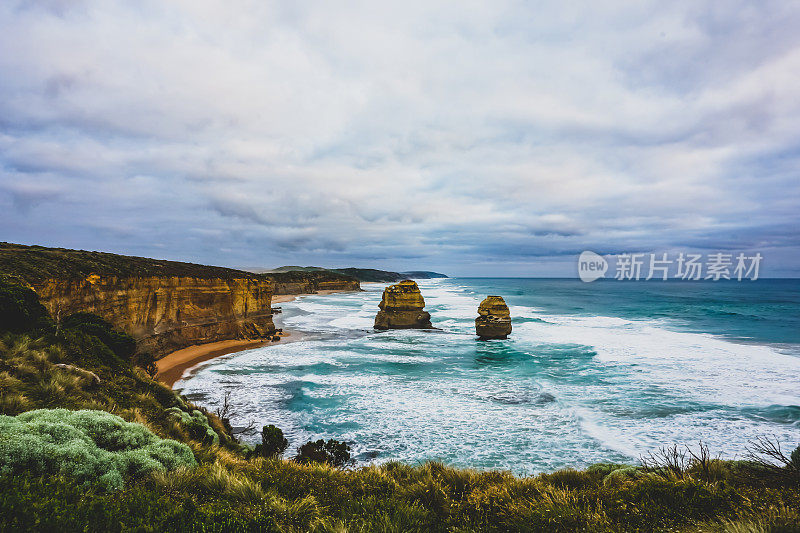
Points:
(93, 447)
(626, 473)
(196, 423)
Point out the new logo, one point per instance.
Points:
(591, 266)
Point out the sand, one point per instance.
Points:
(290, 297)
(171, 367)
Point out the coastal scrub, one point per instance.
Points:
(91, 447)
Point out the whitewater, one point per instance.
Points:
(591, 373)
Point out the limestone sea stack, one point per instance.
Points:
(403, 307)
(494, 320)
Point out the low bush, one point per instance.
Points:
(332, 452)
(20, 309)
(92, 447)
(603, 469)
(620, 475)
(88, 349)
(196, 424)
(273, 443)
(122, 344)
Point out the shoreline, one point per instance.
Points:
(283, 298)
(174, 365)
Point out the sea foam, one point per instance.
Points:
(615, 386)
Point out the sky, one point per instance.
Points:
(496, 138)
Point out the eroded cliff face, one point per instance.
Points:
(311, 286)
(167, 313)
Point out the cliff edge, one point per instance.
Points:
(164, 305)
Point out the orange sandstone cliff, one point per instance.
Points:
(167, 313)
(312, 282)
(164, 305)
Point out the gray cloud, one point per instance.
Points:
(480, 138)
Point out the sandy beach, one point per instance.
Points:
(172, 366)
(280, 298)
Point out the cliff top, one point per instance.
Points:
(361, 274)
(36, 263)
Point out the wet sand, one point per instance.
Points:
(171, 367)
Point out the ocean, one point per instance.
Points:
(592, 372)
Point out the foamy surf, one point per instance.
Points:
(568, 388)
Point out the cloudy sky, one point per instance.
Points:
(473, 138)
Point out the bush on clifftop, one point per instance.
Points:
(196, 424)
(122, 344)
(91, 447)
(273, 443)
(20, 309)
(333, 452)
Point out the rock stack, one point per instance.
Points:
(403, 307)
(494, 320)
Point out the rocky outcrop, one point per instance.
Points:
(402, 307)
(494, 320)
(167, 313)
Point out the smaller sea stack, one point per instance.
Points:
(494, 320)
(403, 307)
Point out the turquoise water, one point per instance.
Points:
(592, 372)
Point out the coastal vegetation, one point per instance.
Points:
(89, 441)
(363, 274)
(88, 446)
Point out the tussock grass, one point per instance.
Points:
(14, 402)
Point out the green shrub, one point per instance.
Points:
(604, 469)
(333, 452)
(20, 310)
(92, 447)
(196, 424)
(622, 474)
(88, 349)
(122, 344)
(273, 443)
(147, 361)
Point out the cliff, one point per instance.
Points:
(167, 313)
(164, 305)
(310, 282)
